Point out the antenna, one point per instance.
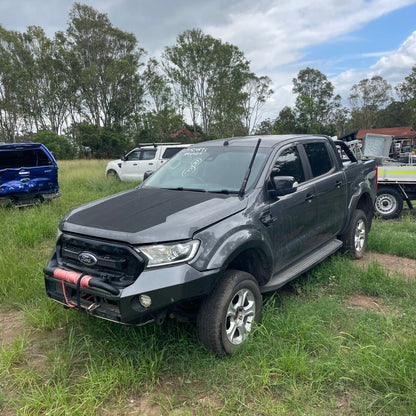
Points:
(244, 184)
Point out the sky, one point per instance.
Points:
(347, 40)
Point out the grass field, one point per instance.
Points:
(315, 352)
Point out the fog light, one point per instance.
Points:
(145, 301)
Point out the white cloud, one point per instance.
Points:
(393, 67)
(400, 61)
(276, 35)
(273, 34)
(274, 38)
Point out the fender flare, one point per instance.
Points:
(239, 242)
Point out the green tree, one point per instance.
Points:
(314, 101)
(265, 127)
(152, 126)
(157, 87)
(338, 118)
(396, 114)
(164, 119)
(10, 112)
(209, 77)
(59, 146)
(49, 86)
(101, 142)
(105, 64)
(407, 93)
(257, 90)
(286, 122)
(367, 98)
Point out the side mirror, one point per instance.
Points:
(283, 185)
(147, 174)
(123, 158)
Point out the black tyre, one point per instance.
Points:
(355, 238)
(227, 316)
(112, 174)
(389, 203)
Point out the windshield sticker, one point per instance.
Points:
(191, 170)
(192, 151)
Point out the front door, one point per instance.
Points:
(293, 216)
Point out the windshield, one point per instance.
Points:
(211, 169)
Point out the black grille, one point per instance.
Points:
(117, 264)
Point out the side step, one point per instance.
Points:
(301, 266)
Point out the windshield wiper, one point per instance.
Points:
(181, 188)
(224, 191)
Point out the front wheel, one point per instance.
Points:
(112, 174)
(355, 238)
(389, 203)
(227, 316)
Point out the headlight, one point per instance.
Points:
(164, 254)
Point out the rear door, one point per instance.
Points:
(168, 153)
(330, 189)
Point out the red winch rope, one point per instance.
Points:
(66, 299)
(72, 277)
(82, 281)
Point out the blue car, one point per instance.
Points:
(28, 174)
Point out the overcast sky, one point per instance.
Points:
(347, 40)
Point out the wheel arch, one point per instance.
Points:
(364, 202)
(252, 260)
(246, 252)
(112, 172)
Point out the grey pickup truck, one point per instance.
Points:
(213, 229)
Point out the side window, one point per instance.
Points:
(319, 158)
(170, 152)
(134, 155)
(42, 158)
(288, 163)
(148, 154)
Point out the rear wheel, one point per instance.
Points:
(227, 316)
(389, 203)
(355, 238)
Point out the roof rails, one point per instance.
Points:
(157, 144)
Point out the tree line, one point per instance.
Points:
(91, 92)
(374, 103)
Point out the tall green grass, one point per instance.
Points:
(396, 237)
(313, 353)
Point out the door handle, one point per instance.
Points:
(309, 198)
(150, 163)
(338, 184)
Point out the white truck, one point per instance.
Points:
(396, 183)
(396, 177)
(147, 157)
